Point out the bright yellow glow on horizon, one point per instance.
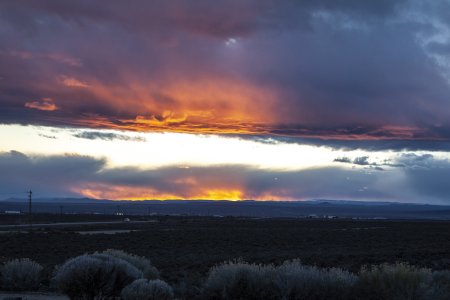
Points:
(103, 191)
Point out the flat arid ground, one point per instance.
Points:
(32, 296)
(183, 247)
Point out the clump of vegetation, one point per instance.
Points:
(143, 289)
(239, 281)
(398, 281)
(96, 276)
(439, 287)
(291, 280)
(297, 281)
(114, 274)
(141, 263)
(21, 275)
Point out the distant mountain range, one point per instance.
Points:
(57, 200)
(319, 208)
(292, 202)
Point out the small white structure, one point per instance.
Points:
(12, 212)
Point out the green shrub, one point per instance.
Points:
(96, 276)
(21, 275)
(241, 281)
(393, 282)
(143, 289)
(305, 282)
(141, 263)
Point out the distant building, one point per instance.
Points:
(12, 212)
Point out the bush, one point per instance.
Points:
(439, 287)
(189, 285)
(97, 276)
(305, 282)
(239, 281)
(143, 289)
(141, 263)
(399, 281)
(21, 275)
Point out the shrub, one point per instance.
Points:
(143, 289)
(21, 275)
(439, 287)
(189, 285)
(141, 263)
(239, 281)
(399, 281)
(97, 276)
(305, 282)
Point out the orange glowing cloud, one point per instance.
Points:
(72, 82)
(46, 104)
(120, 192)
(167, 117)
(203, 105)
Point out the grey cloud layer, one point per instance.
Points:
(416, 178)
(107, 136)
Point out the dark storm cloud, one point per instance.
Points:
(368, 145)
(47, 136)
(338, 72)
(427, 175)
(50, 175)
(343, 160)
(107, 136)
(365, 161)
(417, 178)
(221, 19)
(361, 160)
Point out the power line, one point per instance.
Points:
(13, 193)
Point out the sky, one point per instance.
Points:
(226, 99)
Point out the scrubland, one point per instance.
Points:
(234, 258)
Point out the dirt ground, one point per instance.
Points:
(31, 296)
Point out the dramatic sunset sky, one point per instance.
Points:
(226, 99)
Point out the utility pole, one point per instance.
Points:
(61, 213)
(30, 213)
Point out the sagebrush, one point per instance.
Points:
(21, 275)
(96, 276)
(398, 281)
(239, 280)
(297, 281)
(143, 289)
(141, 263)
